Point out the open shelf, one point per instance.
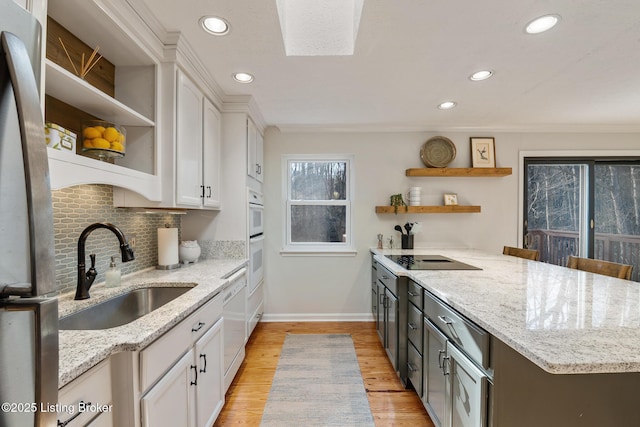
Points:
(460, 172)
(428, 209)
(74, 91)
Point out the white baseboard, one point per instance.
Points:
(318, 317)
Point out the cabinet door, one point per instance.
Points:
(252, 159)
(392, 328)
(171, 401)
(467, 388)
(380, 322)
(210, 388)
(259, 157)
(433, 381)
(211, 155)
(189, 188)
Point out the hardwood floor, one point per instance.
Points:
(391, 404)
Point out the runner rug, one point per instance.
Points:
(317, 383)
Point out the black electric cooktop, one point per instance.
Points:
(429, 262)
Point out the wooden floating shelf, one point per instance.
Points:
(461, 172)
(428, 209)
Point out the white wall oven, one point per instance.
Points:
(256, 214)
(256, 239)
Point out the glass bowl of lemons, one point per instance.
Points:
(103, 139)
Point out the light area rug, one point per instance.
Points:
(317, 383)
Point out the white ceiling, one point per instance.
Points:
(410, 55)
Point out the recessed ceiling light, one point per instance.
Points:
(447, 105)
(542, 24)
(215, 25)
(243, 77)
(481, 75)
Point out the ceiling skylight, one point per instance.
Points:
(542, 24)
(319, 28)
(215, 25)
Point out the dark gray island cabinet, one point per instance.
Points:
(518, 343)
(526, 395)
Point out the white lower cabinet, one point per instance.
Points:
(182, 378)
(170, 401)
(86, 401)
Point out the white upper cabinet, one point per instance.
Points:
(197, 148)
(189, 187)
(131, 105)
(211, 142)
(255, 152)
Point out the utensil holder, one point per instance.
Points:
(407, 241)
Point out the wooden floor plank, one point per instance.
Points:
(391, 404)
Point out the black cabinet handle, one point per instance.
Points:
(197, 328)
(202, 194)
(209, 189)
(204, 370)
(195, 371)
(76, 415)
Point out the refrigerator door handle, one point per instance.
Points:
(36, 169)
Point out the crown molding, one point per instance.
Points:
(402, 128)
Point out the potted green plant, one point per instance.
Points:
(397, 200)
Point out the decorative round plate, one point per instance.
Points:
(438, 152)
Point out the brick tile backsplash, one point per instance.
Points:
(75, 208)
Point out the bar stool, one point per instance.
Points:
(613, 269)
(531, 254)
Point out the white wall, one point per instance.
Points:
(338, 288)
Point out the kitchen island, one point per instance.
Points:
(565, 344)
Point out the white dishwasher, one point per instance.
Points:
(235, 327)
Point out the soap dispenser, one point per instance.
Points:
(112, 275)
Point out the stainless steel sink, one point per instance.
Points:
(122, 309)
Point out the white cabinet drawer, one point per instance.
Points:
(166, 350)
(86, 397)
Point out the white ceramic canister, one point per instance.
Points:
(189, 251)
(414, 196)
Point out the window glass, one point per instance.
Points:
(318, 203)
(312, 223)
(318, 180)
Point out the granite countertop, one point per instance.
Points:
(565, 321)
(81, 350)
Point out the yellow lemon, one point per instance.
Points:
(87, 143)
(100, 143)
(111, 134)
(117, 146)
(99, 129)
(91, 132)
(121, 138)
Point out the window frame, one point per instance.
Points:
(317, 248)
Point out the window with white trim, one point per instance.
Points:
(318, 192)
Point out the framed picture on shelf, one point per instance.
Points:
(450, 199)
(483, 152)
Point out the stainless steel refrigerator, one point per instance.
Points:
(28, 316)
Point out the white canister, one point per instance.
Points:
(414, 196)
(189, 251)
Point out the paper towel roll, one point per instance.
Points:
(167, 247)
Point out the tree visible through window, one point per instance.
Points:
(318, 202)
(583, 207)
